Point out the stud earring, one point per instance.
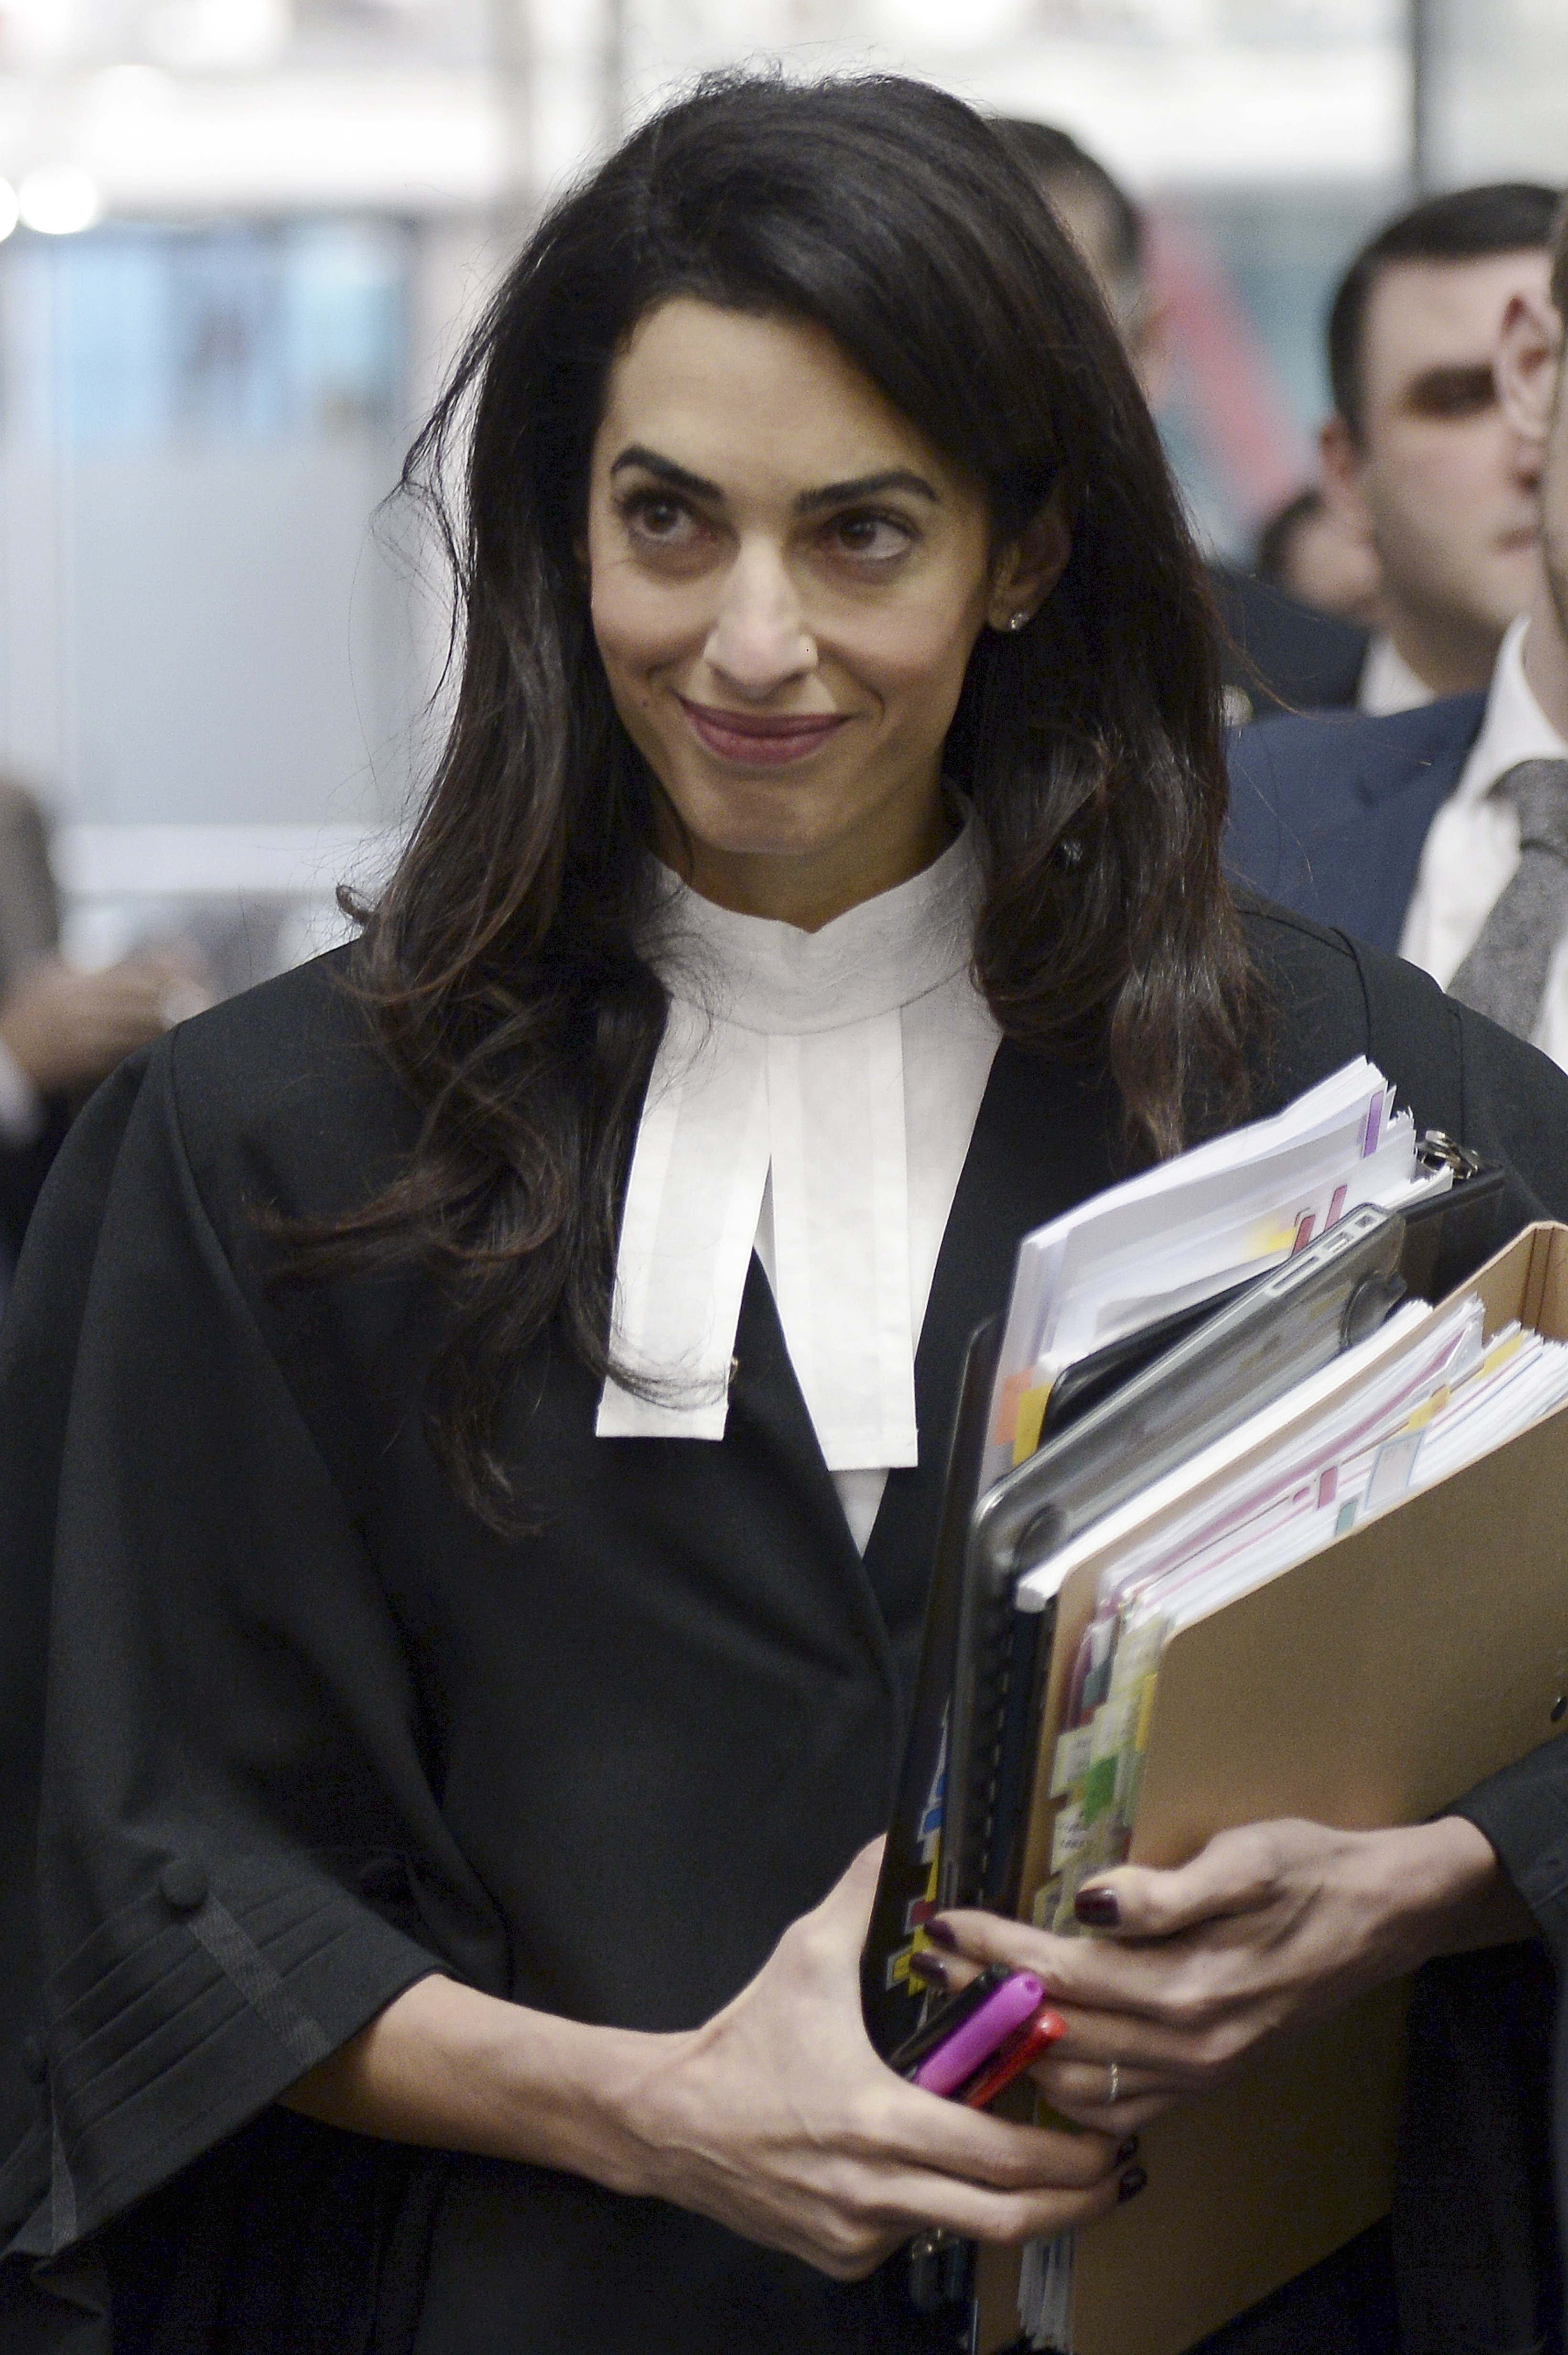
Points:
(1018, 621)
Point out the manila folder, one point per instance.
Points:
(1369, 1685)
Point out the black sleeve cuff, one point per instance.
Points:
(1523, 1811)
(188, 2011)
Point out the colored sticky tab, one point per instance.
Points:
(1145, 1713)
(1072, 1759)
(1068, 1837)
(1007, 1399)
(1099, 1788)
(1032, 1404)
(1105, 1732)
(1392, 1467)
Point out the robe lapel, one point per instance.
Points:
(1042, 1141)
(766, 1404)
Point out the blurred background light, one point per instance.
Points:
(59, 200)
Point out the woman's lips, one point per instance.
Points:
(760, 738)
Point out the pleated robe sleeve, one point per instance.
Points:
(209, 1710)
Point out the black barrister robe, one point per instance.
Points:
(311, 1731)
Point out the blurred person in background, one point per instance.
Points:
(1420, 462)
(1307, 550)
(1107, 228)
(61, 1032)
(1276, 653)
(1443, 831)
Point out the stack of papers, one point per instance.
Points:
(1425, 1396)
(1191, 1229)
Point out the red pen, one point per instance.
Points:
(1037, 2036)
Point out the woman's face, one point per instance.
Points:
(787, 581)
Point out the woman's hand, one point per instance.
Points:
(1267, 1929)
(776, 2117)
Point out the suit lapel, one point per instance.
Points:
(1384, 856)
(1042, 1141)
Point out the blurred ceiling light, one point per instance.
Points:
(58, 199)
(217, 36)
(42, 34)
(9, 209)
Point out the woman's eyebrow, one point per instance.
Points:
(680, 478)
(830, 495)
(867, 486)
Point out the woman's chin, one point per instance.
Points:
(760, 818)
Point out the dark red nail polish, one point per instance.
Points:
(1132, 2183)
(941, 1935)
(1126, 2150)
(932, 1969)
(1100, 1908)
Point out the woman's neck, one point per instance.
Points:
(806, 889)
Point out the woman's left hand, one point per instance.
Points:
(1268, 1928)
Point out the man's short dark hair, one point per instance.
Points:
(1271, 559)
(1466, 225)
(1053, 158)
(1560, 261)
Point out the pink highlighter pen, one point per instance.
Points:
(953, 2064)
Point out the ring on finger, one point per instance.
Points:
(1114, 2088)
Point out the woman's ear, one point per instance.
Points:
(1028, 570)
(1528, 350)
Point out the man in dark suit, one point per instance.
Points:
(1442, 833)
(1276, 653)
(1329, 814)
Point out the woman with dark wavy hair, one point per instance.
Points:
(475, 1409)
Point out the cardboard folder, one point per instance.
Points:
(1369, 1685)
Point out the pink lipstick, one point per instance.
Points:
(760, 738)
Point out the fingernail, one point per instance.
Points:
(941, 1935)
(1126, 2150)
(1132, 2183)
(932, 1969)
(1100, 1908)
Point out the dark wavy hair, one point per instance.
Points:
(501, 967)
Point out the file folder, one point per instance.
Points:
(1369, 1685)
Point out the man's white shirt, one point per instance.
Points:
(1472, 848)
(1387, 683)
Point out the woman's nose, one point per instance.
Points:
(759, 638)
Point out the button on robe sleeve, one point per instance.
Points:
(228, 1741)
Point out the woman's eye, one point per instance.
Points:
(652, 515)
(871, 538)
(658, 517)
